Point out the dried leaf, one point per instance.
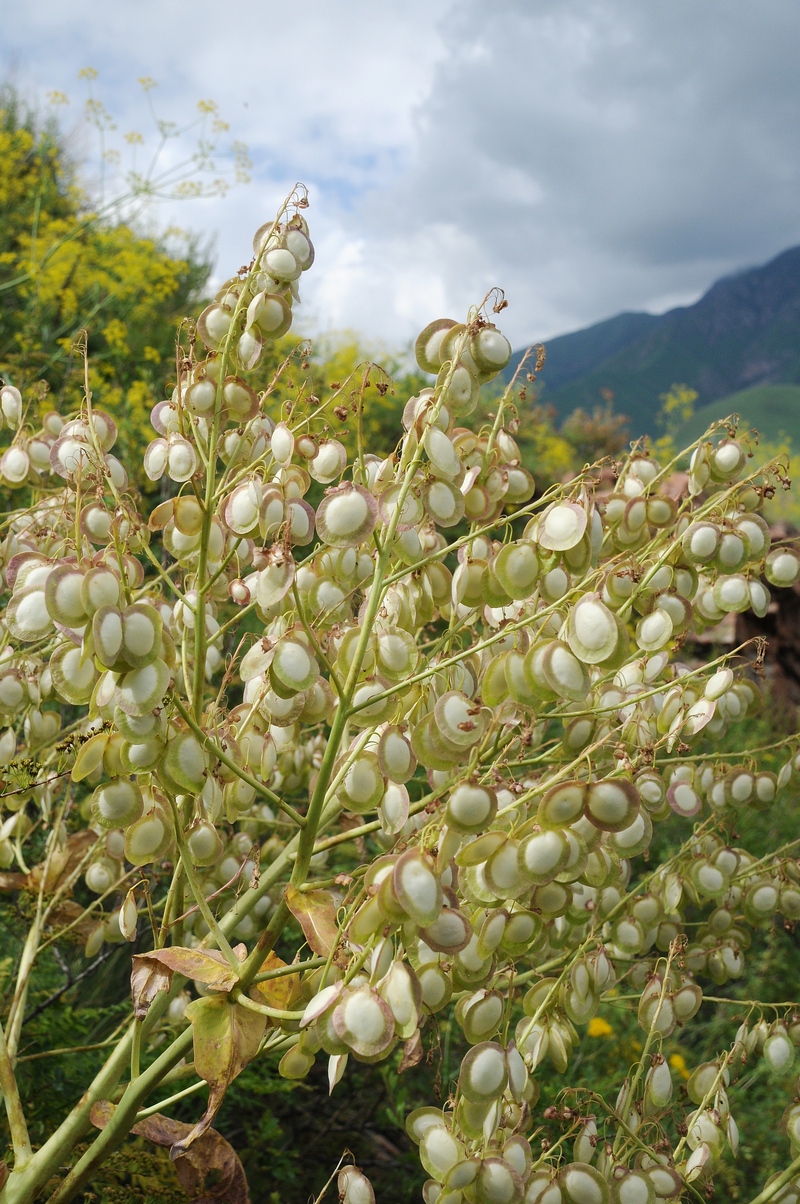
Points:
(147, 979)
(208, 966)
(4, 1172)
(276, 992)
(211, 1157)
(70, 912)
(226, 1038)
(412, 1053)
(315, 911)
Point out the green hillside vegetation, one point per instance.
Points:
(773, 410)
(742, 334)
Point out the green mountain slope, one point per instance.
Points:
(571, 356)
(744, 332)
(773, 410)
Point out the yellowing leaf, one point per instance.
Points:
(226, 1037)
(276, 992)
(315, 911)
(202, 965)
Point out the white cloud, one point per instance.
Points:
(587, 155)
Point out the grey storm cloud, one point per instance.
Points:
(587, 155)
(606, 155)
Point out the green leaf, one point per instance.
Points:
(315, 911)
(226, 1037)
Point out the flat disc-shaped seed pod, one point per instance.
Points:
(700, 542)
(141, 635)
(329, 462)
(433, 756)
(490, 349)
(683, 798)
(107, 635)
(142, 690)
(417, 887)
(679, 610)
(727, 460)
(502, 873)
(484, 1073)
(428, 344)
(73, 677)
(242, 508)
(449, 933)
(661, 510)
(363, 785)
(354, 1187)
(213, 325)
(633, 1187)
(633, 840)
(63, 595)
(141, 756)
(733, 552)
(117, 804)
(15, 465)
(592, 630)
(400, 990)
(364, 1023)
(274, 581)
(148, 838)
(444, 502)
(516, 567)
(782, 567)
(459, 386)
(612, 805)
(564, 672)
(534, 674)
(395, 755)
(204, 843)
(393, 808)
(459, 719)
(471, 807)
(523, 931)
(479, 850)
(480, 1015)
(185, 762)
(270, 314)
(582, 1184)
(439, 1151)
(494, 686)
(293, 668)
(412, 511)
(346, 516)
(369, 713)
(521, 485)
(654, 631)
(396, 653)
(562, 804)
(562, 526)
(492, 932)
(420, 1120)
(181, 459)
(100, 587)
(437, 987)
(667, 1183)
(542, 855)
(498, 1183)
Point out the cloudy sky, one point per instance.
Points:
(588, 156)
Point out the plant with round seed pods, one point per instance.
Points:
(378, 738)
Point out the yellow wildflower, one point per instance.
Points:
(678, 1062)
(599, 1027)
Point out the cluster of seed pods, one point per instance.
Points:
(487, 684)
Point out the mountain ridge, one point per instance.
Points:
(743, 332)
